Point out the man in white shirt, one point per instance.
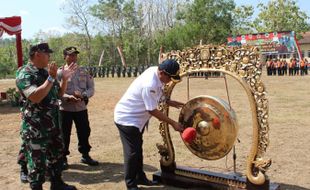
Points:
(133, 111)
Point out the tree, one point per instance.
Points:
(80, 18)
(281, 15)
(132, 36)
(133, 23)
(8, 57)
(158, 15)
(206, 20)
(242, 20)
(110, 13)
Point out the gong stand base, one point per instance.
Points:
(193, 178)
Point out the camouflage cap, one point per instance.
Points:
(70, 50)
(41, 47)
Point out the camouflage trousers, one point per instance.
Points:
(42, 154)
(21, 159)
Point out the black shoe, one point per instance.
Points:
(86, 159)
(62, 186)
(133, 188)
(146, 182)
(68, 187)
(24, 176)
(36, 187)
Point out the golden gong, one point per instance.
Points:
(215, 123)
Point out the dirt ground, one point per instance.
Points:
(289, 109)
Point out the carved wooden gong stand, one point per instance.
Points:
(242, 64)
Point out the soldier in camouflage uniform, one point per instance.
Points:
(108, 71)
(40, 129)
(129, 71)
(135, 71)
(112, 71)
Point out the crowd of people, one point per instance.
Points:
(53, 98)
(278, 67)
(117, 71)
(292, 67)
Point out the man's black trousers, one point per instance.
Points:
(132, 142)
(82, 128)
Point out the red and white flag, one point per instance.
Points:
(11, 25)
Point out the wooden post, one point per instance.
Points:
(19, 49)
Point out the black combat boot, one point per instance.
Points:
(36, 186)
(58, 184)
(24, 174)
(56, 181)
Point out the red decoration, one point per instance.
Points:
(189, 134)
(12, 26)
(216, 123)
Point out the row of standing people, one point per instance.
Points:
(133, 71)
(282, 67)
(117, 71)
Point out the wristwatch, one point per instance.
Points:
(84, 94)
(50, 79)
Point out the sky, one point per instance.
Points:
(46, 15)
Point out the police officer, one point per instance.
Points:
(73, 107)
(40, 129)
(133, 111)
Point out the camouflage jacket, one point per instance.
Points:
(39, 120)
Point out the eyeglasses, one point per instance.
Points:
(170, 75)
(166, 73)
